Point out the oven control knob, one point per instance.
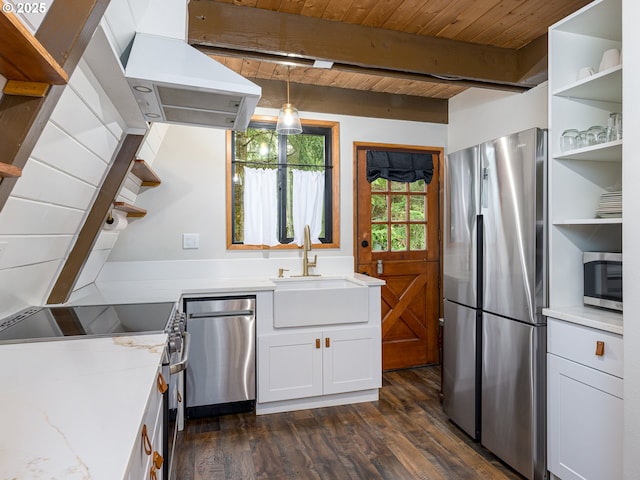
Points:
(177, 328)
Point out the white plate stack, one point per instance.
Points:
(610, 205)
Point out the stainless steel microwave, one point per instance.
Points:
(603, 279)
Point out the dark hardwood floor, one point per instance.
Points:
(404, 435)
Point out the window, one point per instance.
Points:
(281, 183)
(398, 216)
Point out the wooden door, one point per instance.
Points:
(397, 240)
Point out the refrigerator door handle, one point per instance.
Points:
(484, 188)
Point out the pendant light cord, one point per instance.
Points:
(288, 80)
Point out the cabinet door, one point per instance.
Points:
(584, 422)
(352, 360)
(290, 366)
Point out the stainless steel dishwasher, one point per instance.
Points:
(221, 376)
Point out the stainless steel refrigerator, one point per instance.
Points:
(495, 286)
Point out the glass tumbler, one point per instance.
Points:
(593, 135)
(582, 139)
(614, 127)
(569, 140)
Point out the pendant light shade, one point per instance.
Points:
(288, 118)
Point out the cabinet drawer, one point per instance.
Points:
(578, 343)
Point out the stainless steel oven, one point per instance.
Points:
(85, 321)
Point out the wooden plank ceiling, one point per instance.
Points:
(407, 48)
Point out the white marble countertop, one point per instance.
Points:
(141, 291)
(607, 321)
(71, 409)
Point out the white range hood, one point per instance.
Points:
(175, 83)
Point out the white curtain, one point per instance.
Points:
(308, 202)
(260, 206)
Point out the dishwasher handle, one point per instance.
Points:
(222, 313)
(182, 364)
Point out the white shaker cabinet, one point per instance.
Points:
(146, 460)
(585, 399)
(318, 362)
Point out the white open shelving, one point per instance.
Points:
(578, 177)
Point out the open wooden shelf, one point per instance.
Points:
(143, 171)
(23, 58)
(9, 171)
(131, 210)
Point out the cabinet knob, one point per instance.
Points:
(157, 460)
(327, 342)
(146, 443)
(317, 343)
(162, 384)
(599, 349)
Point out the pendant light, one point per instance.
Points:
(288, 118)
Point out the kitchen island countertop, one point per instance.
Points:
(71, 409)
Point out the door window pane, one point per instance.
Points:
(398, 207)
(417, 208)
(417, 186)
(398, 187)
(379, 211)
(418, 237)
(379, 238)
(398, 238)
(379, 185)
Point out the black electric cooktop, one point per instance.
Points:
(46, 323)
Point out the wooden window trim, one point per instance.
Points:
(335, 187)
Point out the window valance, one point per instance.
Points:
(399, 166)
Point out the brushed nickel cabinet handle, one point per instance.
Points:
(599, 349)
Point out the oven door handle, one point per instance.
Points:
(182, 364)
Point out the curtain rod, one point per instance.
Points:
(265, 165)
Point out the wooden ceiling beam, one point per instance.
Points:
(361, 103)
(295, 37)
(339, 67)
(533, 60)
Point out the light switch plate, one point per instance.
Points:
(190, 240)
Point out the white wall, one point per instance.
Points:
(129, 194)
(477, 115)
(191, 199)
(631, 234)
(49, 203)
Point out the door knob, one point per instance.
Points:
(364, 243)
